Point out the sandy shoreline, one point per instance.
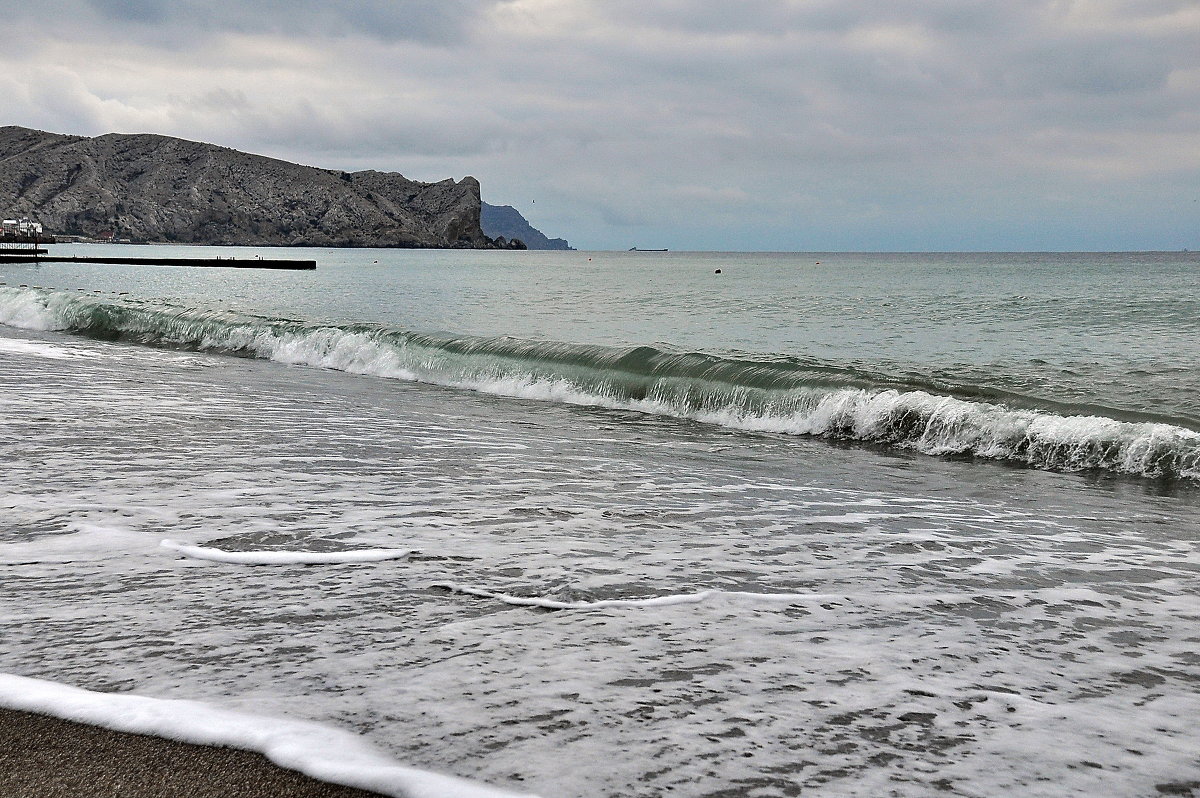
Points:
(45, 757)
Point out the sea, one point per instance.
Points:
(625, 524)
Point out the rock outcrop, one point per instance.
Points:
(506, 221)
(156, 188)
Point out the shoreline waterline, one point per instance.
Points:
(44, 755)
(319, 752)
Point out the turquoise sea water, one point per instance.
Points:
(857, 524)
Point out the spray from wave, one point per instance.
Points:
(780, 395)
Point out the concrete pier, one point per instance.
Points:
(227, 263)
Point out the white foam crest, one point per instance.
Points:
(953, 426)
(364, 353)
(875, 600)
(39, 349)
(286, 557)
(849, 518)
(329, 347)
(521, 386)
(322, 752)
(554, 604)
(702, 597)
(86, 542)
(30, 309)
(946, 425)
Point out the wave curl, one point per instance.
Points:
(773, 394)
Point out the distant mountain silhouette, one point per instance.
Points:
(507, 221)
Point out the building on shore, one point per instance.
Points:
(20, 227)
(16, 233)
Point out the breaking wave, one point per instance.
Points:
(769, 394)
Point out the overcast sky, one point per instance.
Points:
(689, 124)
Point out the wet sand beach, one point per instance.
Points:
(45, 757)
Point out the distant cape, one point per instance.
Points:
(507, 221)
(152, 188)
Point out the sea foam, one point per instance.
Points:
(286, 557)
(701, 597)
(323, 752)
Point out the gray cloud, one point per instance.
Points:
(766, 123)
(132, 11)
(438, 21)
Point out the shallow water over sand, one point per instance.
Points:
(773, 613)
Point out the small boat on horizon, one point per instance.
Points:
(639, 249)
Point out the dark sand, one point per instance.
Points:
(43, 757)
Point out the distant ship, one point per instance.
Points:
(639, 249)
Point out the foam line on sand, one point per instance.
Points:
(322, 752)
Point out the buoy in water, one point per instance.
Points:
(718, 271)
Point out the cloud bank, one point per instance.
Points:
(764, 124)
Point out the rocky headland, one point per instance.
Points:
(506, 221)
(152, 188)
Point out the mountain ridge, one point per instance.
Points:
(148, 187)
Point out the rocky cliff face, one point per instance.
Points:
(155, 188)
(507, 221)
